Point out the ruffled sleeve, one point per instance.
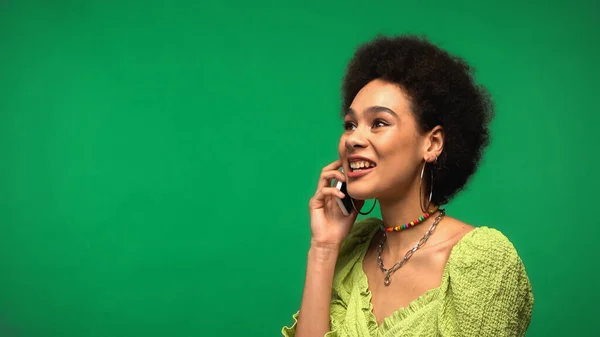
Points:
(291, 331)
(489, 292)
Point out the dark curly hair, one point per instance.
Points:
(442, 92)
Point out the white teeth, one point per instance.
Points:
(361, 164)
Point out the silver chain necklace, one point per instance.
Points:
(388, 272)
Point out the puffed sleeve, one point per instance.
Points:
(489, 292)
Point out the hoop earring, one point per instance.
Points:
(425, 209)
(359, 212)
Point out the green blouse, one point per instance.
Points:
(484, 291)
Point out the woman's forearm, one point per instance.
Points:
(313, 319)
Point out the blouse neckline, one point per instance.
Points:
(415, 305)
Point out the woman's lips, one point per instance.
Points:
(359, 173)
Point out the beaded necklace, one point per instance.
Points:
(409, 224)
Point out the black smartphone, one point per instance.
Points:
(346, 203)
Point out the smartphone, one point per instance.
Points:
(345, 203)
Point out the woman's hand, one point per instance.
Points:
(329, 226)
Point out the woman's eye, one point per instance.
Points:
(379, 123)
(348, 125)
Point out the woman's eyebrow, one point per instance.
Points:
(372, 110)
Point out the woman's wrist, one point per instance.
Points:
(324, 251)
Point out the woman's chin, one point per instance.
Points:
(361, 195)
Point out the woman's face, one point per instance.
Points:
(381, 148)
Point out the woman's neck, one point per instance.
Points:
(397, 213)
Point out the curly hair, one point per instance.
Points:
(442, 92)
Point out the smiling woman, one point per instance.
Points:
(415, 126)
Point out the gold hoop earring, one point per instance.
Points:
(425, 209)
(359, 212)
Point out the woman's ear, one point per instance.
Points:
(434, 144)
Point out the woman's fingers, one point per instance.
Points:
(330, 172)
(333, 166)
(318, 201)
(326, 177)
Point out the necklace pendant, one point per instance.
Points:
(387, 281)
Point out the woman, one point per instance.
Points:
(415, 126)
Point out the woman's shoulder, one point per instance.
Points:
(484, 243)
(485, 253)
(490, 289)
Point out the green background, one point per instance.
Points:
(157, 158)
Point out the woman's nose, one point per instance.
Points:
(356, 139)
